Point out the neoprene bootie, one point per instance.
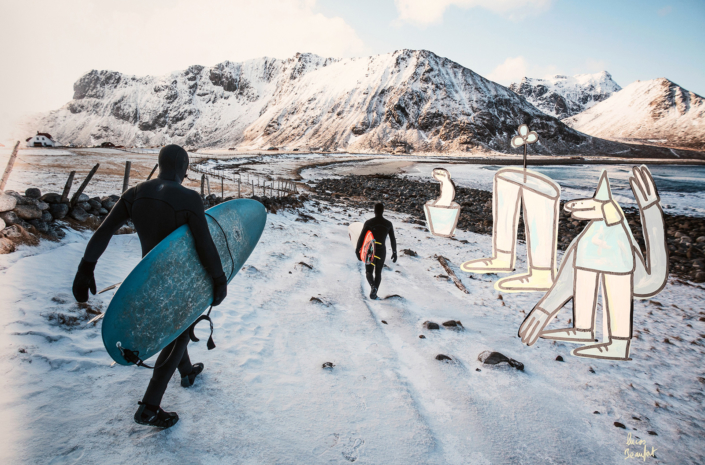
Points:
(373, 293)
(154, 416)
(188, 380)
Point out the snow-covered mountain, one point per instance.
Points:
(564, 96)
(412, 98)
(655, 112)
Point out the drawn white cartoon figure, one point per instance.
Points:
(539, 196)
(442, 214)
(605, 254)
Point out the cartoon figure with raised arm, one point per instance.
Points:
(605, 254)
(442, 214)
(539, 195)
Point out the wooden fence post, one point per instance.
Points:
(203, 182)
(126, 179)
(153, 170)
(67, 187)
(78, 193)
(8, 168)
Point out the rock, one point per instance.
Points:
(85, 205)
(700, 239)
(619, 425)
(28, 212)
(451, 324)
(7, 202)
(494, 358)
(42, 205)
(79, 214)
(46, 217)
(559, 358)
(329, 365)
(19, 235)
(109, 201)
(52, 197)
(93, 221)
(10, 218)
(652, 433)
(421, 336)
(6, 246)
(103, 211)
(41, 226)
(384, 322)
(431, 325)
(2, 224)
(83, 198)
(699, 277)
(33, 193)
(409, 252)
(125, 229)
(59, 210)
(95, 204)
(21, 200)
(443, 357)
(596, 412)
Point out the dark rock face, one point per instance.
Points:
(95, 84)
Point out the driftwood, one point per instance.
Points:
(444, 263)
(78, 193)
(8, 168)
(67, 187)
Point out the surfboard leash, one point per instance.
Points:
(133, 357)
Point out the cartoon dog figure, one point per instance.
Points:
(605, 253)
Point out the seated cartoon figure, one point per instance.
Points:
(605, 255)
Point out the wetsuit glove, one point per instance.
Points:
(84, 281)
(394, 257)
(220, 289)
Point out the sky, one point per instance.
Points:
(46, 45)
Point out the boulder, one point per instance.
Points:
(42, 205)
(93, 221)
(495, 358)
(102, 211)
(95, 204)
(52, 197)
(19, 235)
(28, 212)
(59, 210)
(78, 214)
(41, 226)
(7, 202)
(2, 224)
(6, 246)
(85, 205)
(83, 198)
(109, 201)
(10, 218)
(46, 216)
(33, 193)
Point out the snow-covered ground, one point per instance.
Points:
(264, 397)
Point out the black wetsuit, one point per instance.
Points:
(381, 228)
(157, 208)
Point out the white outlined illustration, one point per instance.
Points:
(605, 255)
(539, 196)
(442, 214)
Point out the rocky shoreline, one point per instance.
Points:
(27, 218)
(685, 234)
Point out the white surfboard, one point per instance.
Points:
(354, 231)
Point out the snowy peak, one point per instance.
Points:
(658, 111)
(564, 96)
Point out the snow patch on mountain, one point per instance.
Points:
(656, 112)
(564, 96)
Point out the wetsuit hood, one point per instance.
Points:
(173, 163)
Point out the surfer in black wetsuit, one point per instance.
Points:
(157, 208)
(380, 228)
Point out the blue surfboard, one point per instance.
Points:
(169, 289)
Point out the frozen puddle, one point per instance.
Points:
(265, 398)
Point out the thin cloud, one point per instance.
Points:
(665, 10)
(425, 12)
